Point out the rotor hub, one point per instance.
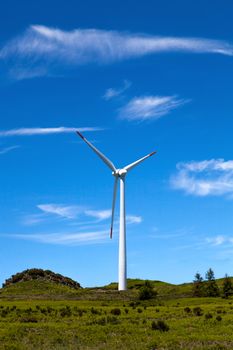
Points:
(119, 173)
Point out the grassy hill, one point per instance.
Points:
(38, 287)
(44, 284)
(41, 313)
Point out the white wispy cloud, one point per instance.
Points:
(77, 238)
(218, 240)
(149, 107)
(73, 211)
(8, 149)
(133, 219)
(69, 212)
(44, 47)
(204, 178)
(44, 131)
(114, 92)
(77, 215)
(99, 214)
(32, 219)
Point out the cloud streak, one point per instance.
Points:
(113, 92)
(68, 212)
(149, 107)
(77, 238)
(133, 219)
(99, 214)
(205, 178)
(44, 131)
(73, 211)
(219, 240)
(41, 48)
(8, 149)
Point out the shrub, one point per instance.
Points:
(197, 311)
(147, 291)
(116, 311)
(187, 310)
(219, 318)
(126, 311)
(139, 310)
(160, 326)
(208, 316)
(4, 313)
(66, 311)
(95, 311)
(227, 287)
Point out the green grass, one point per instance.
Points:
(84, 324)
(46, 316)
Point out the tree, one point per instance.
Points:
(198, 290)
(211, 289)
(227, 286)
(210, 275)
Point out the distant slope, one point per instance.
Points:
(164, 289)
(45, 284)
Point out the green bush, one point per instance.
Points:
(160, 325)
(197, 311)
(116, 311)
(147, 291)
(208, 316)
(95, 311)
(187, 310)
(227, 287)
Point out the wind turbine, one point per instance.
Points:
(119, 174)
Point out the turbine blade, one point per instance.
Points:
(132, 165)
(101, 155)
(113, 204)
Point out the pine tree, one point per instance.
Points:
(198, 285)
(210, 275)
(227, 286)
(211, 289)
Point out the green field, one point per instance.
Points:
(44, 315)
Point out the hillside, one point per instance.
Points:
(37, 283)
(45, 284)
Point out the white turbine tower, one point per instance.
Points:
(119, 174)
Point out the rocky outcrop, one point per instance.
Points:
(44, 275)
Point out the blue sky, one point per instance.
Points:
(134, 77)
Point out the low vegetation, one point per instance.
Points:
(42, 314)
